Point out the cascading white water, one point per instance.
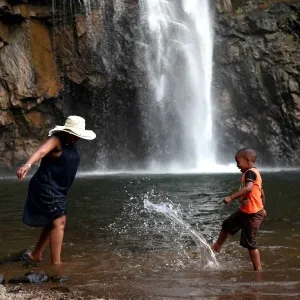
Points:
(177, 114)
(207, 255)
(174, 131)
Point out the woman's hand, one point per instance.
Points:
(22, 171)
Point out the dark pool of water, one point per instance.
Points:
(115, 248)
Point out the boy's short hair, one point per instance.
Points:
(249, 153)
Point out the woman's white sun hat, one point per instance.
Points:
(75, 125)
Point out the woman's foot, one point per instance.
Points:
(35, 257)
(31, 261)
(59, 266)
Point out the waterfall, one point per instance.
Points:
(155, 112)
(177, 111)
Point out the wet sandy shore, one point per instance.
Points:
(39, 293)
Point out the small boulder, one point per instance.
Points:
(58, 279)
(30, 277)
(37, 277)
(30, 264)
(18, 256)
(2, 280)
(2, 289)
(17, 280)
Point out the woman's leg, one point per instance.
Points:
(56, 237)
(37, 253)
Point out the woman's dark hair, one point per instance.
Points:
(63, 137)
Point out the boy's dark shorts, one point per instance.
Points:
(248, 223)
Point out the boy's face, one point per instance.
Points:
(242, 163)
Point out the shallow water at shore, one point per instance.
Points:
(115, 248)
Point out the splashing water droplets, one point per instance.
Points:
(207, 255)
(153, 228)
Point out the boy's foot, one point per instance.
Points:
(216, 247)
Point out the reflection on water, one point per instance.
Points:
(115, 247)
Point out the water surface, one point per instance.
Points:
(116, 248)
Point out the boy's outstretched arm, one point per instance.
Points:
(242, 192)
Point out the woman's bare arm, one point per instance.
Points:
(42, 151)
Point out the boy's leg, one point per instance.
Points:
(230, 226)
(56, 238)
(220, 241)
(37, 253)
(250, 229)
(255, 258)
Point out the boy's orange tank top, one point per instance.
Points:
(252, 202)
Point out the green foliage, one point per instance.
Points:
(290, 38)
(294, 15)
(239, 11)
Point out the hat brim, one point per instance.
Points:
(83, 134)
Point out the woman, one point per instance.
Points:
(47, 192)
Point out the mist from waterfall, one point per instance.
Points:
(177, 113)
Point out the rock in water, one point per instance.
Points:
(30, 277)
(2, 280)
(18, 256)
(2, 289)
(30, 264)
(58, 279)
(37, 277)
(17, 280)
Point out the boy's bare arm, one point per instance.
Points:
(242, 192)
(263, 198)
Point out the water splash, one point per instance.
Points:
(178, 57)
(167, 209)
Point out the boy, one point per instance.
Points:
(251, 213)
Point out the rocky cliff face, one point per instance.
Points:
(29, 81)
(57, 60)
(256, 80)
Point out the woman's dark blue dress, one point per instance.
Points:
(48, 188)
